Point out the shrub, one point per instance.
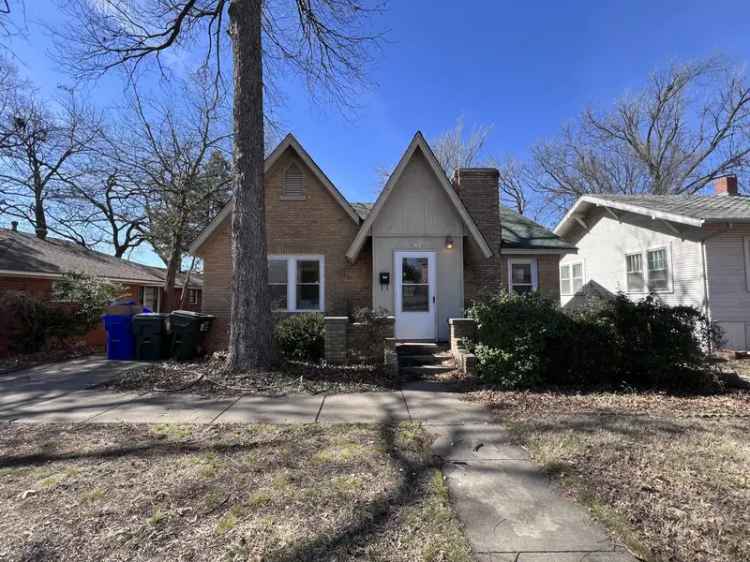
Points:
(87, 298)
(31, 324)
(301, 337)
(524, 340)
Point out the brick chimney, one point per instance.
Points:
(478, 190)
(14, 226)
(726, 186)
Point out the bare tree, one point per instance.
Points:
(514, 182)
(454, 149)
(103, 205)
(687, 126)
(325, 42)
(169, 146)
(37, 154)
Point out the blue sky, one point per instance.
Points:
(524, 67)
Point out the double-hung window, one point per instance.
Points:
(150, 297)
(192, 296)
(296, 283)
(658, 270)
(648, 271)
(571, 278)
(634, 266)
(522, 275)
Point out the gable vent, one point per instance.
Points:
(294, 182)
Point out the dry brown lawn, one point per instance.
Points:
(670, 475)
(186, 492)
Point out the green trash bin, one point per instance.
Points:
(188, 333)
(152, 337)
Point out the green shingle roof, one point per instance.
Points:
(519, 232)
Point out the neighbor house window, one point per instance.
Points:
(658, 270)
(566, 286)
(571, 278)
(192, 296)
(522, 275)
(150, 298)
(634, 266)
(296, 283)
(294, 182)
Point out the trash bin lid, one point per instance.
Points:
(153, 315)
(191, 314)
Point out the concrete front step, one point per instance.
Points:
(418, 348)
(422, 370)
(416, 360)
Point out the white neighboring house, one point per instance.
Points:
(688, 250)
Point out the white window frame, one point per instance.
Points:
(158, 297)
(534, 272)
(291, 280)
(645, 270)
(571, 278)
(668, 264)
(192, 296)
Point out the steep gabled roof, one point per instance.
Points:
(692, 210)
(23, 254)
(417, 143)
(289, 142)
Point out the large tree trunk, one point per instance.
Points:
(186, 284)
(40, 217)
(173, 264)
(250, 331)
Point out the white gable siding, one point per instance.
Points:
(603, 250)
(418, 215)
(418, 205)
(729, 297)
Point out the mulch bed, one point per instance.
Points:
(224, 492)
(210, 378)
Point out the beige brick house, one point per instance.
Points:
(424, 250)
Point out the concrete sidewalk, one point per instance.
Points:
(511, 511)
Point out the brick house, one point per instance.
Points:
(423, 250)
(31, 265)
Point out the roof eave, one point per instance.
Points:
(417, 142)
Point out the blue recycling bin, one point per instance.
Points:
(120, 338)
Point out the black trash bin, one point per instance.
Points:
(152, 337)
(188, 332)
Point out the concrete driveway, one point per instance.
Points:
(511, 511)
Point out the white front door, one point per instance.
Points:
(415, 295)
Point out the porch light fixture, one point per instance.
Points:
(449, 242)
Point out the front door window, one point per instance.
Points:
(415, 294)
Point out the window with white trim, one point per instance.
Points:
(571, 278)
(634, 269)
(150, 297)
(296, 283)
(192, 296)
(566, 285)
(522, 275)
(294, 182)
(658, 269)
(577, 276)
